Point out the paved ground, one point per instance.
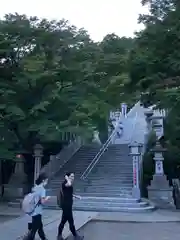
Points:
(16, 228)
(8, 213)
(130, 231)
(160, 225)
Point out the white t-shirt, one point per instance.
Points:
(40, 190)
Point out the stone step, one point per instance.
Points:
(99, 205)
(119, 194)
(106, 204)
(116, 173)
(105, 188)
(98, 181)
(99, 177)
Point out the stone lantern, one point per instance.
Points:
(15, 187)
(157, 126)
(38, 154)
(159, 190)
(135, 149)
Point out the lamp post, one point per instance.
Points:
(38, 154)
(135, 152)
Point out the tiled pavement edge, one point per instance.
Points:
(155, 216)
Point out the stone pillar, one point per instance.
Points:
(15, 187)
(159, 191)
(38, 154)
(135, 153)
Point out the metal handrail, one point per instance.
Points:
(98, 155)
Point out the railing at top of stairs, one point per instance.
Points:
(58, 161)
(99, 154)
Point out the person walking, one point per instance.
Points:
(37, 225)
(66, 205)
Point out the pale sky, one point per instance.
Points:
(98, 17)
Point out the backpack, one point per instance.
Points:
(30, 202)
(60, 198)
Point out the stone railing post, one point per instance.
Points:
(136, 155)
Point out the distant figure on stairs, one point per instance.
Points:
(96, 138)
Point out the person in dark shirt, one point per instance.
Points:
(66, 204)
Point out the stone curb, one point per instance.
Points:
(134, 221)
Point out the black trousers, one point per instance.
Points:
(67, 216)
(36, 226)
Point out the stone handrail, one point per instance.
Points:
(57, 161)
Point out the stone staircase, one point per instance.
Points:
(108, 186)
(77, 164)
(112, 176)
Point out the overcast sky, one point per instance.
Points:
(98, 17)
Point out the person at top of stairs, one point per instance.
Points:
(66, 205)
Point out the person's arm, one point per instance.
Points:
(44, 198)
(68, 182)
(77, 196)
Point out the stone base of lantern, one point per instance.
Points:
(12, 191)
(15, 187)
(136, 193)
(160, 192)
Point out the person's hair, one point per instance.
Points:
(41, 178)
(68, 173)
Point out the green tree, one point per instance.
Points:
(154, 62)
(54, 79)
(43, 81)
(112, 64)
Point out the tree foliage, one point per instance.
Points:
(154, 62)
(54, 79)
(154, 65)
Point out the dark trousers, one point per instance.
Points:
(67, 216)
(36, 226)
